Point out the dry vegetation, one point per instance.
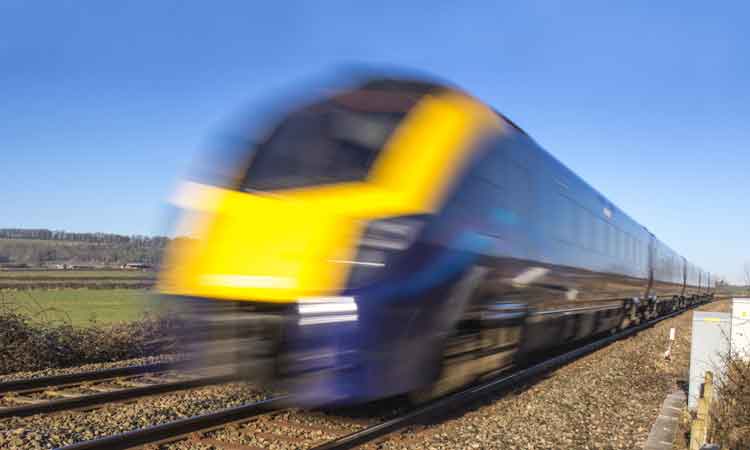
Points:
(34, 341)
(731, 412)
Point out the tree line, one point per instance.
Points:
(41, 246)
(61, 235)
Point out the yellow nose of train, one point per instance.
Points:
(283, 243)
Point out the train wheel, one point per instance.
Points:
(470, 353)
(630, 317)
(450, 374)
(484, 337)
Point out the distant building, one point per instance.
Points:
(14, 266)
(136, 266)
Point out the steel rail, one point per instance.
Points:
(85, 400)
(57, 380)
(473, 393)
(179, 427)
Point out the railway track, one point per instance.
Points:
(57, 380)
(270, 424)
(89, 389)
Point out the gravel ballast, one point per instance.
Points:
(91, 367)
(606, 400)
(56, 430)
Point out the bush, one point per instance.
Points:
(31, 342)
(730, 413)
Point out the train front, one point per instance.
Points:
(302, 267)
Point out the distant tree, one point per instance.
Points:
(23, 246)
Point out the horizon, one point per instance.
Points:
(106, 109)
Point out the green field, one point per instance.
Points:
(80, 306)
(66, 279)
(88, 274)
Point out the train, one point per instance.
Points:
(398, 236)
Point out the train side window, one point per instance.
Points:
(570, 225)
(628, 249)
(578, 226)
(608, 239)
(519, 187)
(559, 217)
(605, 236)
(591, 238)
(595, 233)
(602, 234)
(637, 253)
(613, 243)
(567, 228)
(508, 186)
(625, 247)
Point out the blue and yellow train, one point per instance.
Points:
(399, 236)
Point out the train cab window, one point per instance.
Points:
(321, 144)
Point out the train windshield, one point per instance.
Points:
(328, 142)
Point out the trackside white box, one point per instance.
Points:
(710, 342)
(741, 327)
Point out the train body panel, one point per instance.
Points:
(456, 242)
(291, 259)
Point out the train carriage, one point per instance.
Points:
(400, 236)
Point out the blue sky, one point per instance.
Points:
(103, 105)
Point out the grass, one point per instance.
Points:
(64, 279)
(82, 306)
(735, 291)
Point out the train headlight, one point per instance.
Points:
(382, 241)
(322, 310)
(397, 233)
